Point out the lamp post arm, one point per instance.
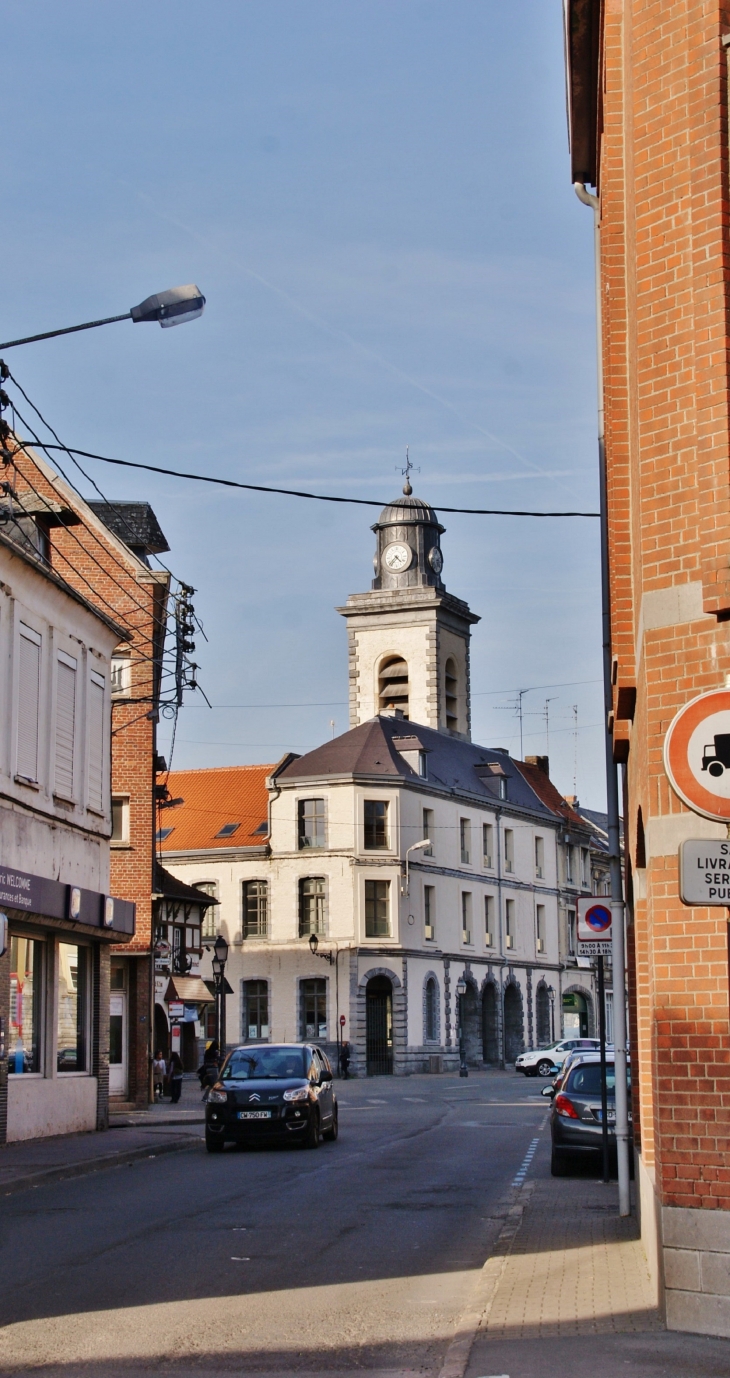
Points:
(68, 330)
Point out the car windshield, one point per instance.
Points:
(586, 1080)
(271, 1064)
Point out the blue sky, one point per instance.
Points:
(375, 198)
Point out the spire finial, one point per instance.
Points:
(407, 490)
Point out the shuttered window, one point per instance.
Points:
(65, 725)
(96, 742)
(29, 688)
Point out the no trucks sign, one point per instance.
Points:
(697, 755)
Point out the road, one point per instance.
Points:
(361, 1254)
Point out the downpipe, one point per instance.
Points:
(612, 798)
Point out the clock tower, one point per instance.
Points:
(408, 638)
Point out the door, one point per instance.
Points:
(379, 1027)
(326, 1093)
(118, 1044)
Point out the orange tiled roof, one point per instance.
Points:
(549, 795)
(228, 794)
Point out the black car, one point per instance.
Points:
(272, 1093)
(576, 1115)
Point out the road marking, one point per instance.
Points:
(519, 1178)
(235, 1259)
(415, 1100)
(376, 1102)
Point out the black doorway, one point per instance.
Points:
(513, 1034)
(379, 1027)
(490, 1026)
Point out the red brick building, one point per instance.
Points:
(647, 89)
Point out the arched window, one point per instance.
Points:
(431, 1011)
(311, 905)
(452, 696)
(393, 686)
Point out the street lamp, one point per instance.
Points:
(314, 945)
(417, 847)
(460, 993)
(220, 957)
(174, 307)
(551, 998)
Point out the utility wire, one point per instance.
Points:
(297, 493)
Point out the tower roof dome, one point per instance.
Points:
(408, 510)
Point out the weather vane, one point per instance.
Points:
(408, 469)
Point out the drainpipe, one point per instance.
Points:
(500, 931)
(612, 805)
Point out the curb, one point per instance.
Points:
(150, 1124)
(90, 1165)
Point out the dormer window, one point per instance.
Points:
(393, 688)
(413, 754)
(228, 830)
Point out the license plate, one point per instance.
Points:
(254, 1114)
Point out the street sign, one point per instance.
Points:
(697, 754)
(594, 927)
(343, 1021)
(176, 1009)
(704, 872)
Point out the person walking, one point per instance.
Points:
(176, 1076)
(159, 1072)
(208, 1071)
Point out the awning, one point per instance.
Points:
(191, 990)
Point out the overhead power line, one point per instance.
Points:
(298, 493)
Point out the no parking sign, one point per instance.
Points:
(594, 927)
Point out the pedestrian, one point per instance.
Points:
(176, 1075)
(345, 1059)
(208, 1071)
(159, 1072)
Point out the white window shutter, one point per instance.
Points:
(65, 728)
(96, 743)
(29, 684)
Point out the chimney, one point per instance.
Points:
(541, 762)
(573, 800)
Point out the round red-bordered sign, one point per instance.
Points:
(697, 754)
(598, 918)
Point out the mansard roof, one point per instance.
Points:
(459, 767)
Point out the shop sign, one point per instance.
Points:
(176, 1009)
(594, 928)
(704, 872)
(51, 899)
(697, 754)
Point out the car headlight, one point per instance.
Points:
(217, 1097)
(299, 1093)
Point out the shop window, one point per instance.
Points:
(376, 825)
(255, 908)
(377, 919)
(313, 996)
(312, 832)
(26, 988)
(73, 993)
(312, 896)
(29, 689)
(255, 1011)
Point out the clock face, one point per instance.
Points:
(435, 559)
(397, 557)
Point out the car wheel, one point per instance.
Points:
(331, 1134)
(543, 1069)
(311, 1139)
(214, 1143)
(559, 1165)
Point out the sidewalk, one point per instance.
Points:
(190, 1109)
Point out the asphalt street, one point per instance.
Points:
(360, 1254)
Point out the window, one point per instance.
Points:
(465, 917)
(228, 830)
(429, 912)
(509, 923)
(377, 919)
(163, 833)
(26, 975)
(489, 920)
(509, 849)
(29, 690)
(96, 742)
(487, 845)
(255, 894)
(571, 933)
(503, 786)
(117, 976)
(571, 867)
(427, 830)
(311, 905)
(540, 858)
(451, 696)
(255, 1011)
(431, 1011)
(121, 675)
(120, 819)
(540, 926)
(65, 725)
(585, 870)
(312, 831)
(313, 996)
(73, 973)
(376, 825)
(465, 840)
(393, 692)
(209, 921)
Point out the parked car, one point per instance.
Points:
(576, 1115)
(269, 1093)
(540, 1061)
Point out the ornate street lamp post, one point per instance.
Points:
(220, 957)
(460, 993)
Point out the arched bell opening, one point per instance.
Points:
(393, 686)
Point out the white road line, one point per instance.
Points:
(519, 1177)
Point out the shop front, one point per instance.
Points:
(183, 1001)
(55, 1025)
